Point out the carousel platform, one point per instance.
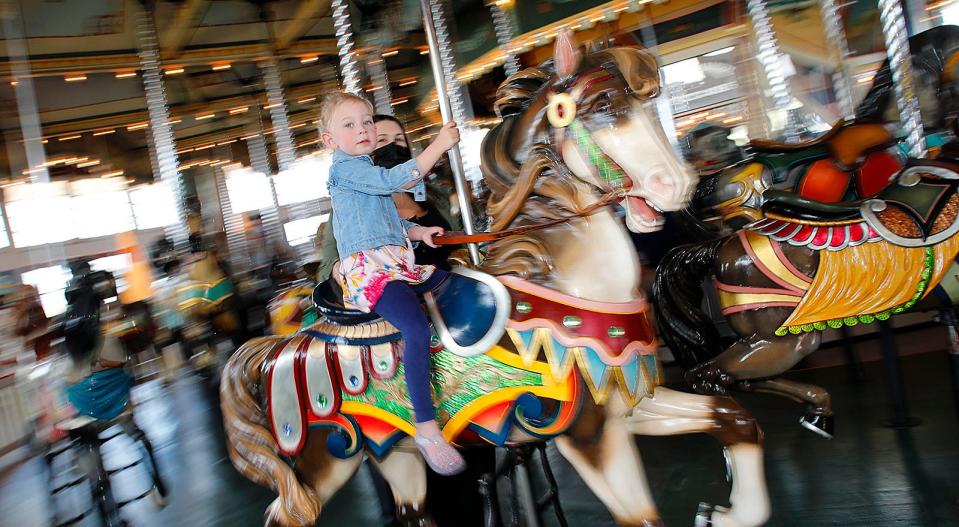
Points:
(869, 475)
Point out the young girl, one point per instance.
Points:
(376, 256)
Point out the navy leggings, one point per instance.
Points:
(400, 306)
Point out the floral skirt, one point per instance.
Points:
(366, 273)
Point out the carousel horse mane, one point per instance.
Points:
(935, 62)
(535, 185)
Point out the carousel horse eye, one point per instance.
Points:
(603, 104)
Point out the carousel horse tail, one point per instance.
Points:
(250, 443)
(678, 294)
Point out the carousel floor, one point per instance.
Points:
(869, 475)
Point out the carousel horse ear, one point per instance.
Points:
(565, 54)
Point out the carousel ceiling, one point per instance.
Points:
(82, 58)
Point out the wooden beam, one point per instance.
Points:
(180, 29)
(305, 18)
(128, 60)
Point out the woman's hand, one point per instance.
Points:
(425, 234)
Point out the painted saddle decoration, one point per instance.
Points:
(345, 372)
(915, 214)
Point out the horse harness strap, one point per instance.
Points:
(459, 237)
(608, 170)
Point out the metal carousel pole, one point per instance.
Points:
(504, 34)
(836, 35)
(349, 68)
(771, 60)
(900, 65)
(160, 127)
(441, 61)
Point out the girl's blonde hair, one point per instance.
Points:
(332, 101)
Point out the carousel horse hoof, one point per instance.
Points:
(819, 424)
(158, 497)
(413, 515)
(704, 515)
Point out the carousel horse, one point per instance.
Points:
(856, 159)
(578, 360)
(98, 386)
(807, 266)
(207, 299)
(292, 308)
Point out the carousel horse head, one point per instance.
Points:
(85, 294)
(577, 131)
(590, 115)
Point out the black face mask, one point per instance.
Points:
(388, 156)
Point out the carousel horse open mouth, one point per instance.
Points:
(642, 215)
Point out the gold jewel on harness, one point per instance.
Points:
(561, 109)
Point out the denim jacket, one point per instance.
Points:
(364, 215)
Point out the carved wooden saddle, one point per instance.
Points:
(918, 209)
(849, 161)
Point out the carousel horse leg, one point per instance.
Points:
(405, 472)
(602, 450)
(669, 412)
(761, 358)
(319, 470)
(818, 417)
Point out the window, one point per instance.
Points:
(39, 213)
(305, 180)
(302, 231)
(117, 265)
(153, 206)
(702, 81)
(50, 283)
(100, 207)
(248, 190)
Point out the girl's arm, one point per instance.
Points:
(360, 176)
(445, 139)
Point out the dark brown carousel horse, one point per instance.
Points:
(578, 361)
(807, 266)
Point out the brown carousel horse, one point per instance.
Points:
(807, 266)
(579, 359)
(803, 253)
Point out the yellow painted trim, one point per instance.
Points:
(358, 408)
(727, 299)
(762, 247)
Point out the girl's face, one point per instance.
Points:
(388, 132)
(351, 128)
